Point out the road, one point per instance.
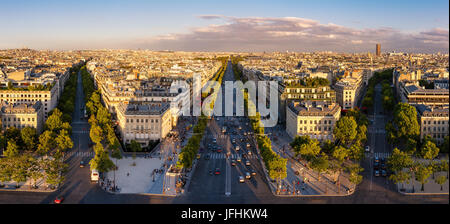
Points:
(226, 185)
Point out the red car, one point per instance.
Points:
(59, 200)
(217, 171)
(219, 150)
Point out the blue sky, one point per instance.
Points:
(118, 24)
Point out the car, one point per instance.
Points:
(199, 155)
(237, 148)
(238, 159)
(247, 163)
(383, 163)
(207, 157)
(240, 128)
(233, 162)
(245, 133)
(250, 153)
(233, 140)
(376, 164)
(367, 149)
(248, 145)
(377, 172)
(247, 175)
(82, 164)
(253, 172)
(383, 172)
(59, 200)
(219, 150)
(241, 179)
(217, 172)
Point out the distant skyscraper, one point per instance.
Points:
(378, 50)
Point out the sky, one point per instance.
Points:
(232, 25)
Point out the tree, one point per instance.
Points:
(422, 174)
(399, 160)
(320, 164)
(405, 120)
(54, 169)
(101, 160)
(46, 142)
(345, 130)
(12, 150)
(354, 171)
(54, 121)
(63, 141)
(5, 170)
(96, 134)
(340, 153)
(400, 176)
(304, 146)
(29, 138)
(35, 170)
(356, 152)
(20, 169)
(429, 150)
(441, 181)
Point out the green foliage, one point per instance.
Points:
(46, 142)
(405, 121)
(444, 147)
(429, 150)
(354, 174)
(63, 140)
(345, 130)
(29, 138)
(12, 150)
(399, 160)
(309, 83)
(422, 173)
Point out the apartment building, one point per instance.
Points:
(144, 121)
(314, 118)
(414, 94)
(348, 91)
(48, 98)
(433, 122)
(22, 115)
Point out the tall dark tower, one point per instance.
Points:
(378, 51)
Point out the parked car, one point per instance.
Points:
(383, 173)
(377, 172)
(367, 149)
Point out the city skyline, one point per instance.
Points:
(348, 27)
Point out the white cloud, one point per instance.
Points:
(295, 34)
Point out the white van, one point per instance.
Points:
(94, 175)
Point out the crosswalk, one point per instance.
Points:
(378, 154)
(80, 132)
(232, 156)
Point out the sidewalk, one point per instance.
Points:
(306, 183)
(26, 186)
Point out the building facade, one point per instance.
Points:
(22, 115)
(316, 119)
(144, 121)
(433, 122)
